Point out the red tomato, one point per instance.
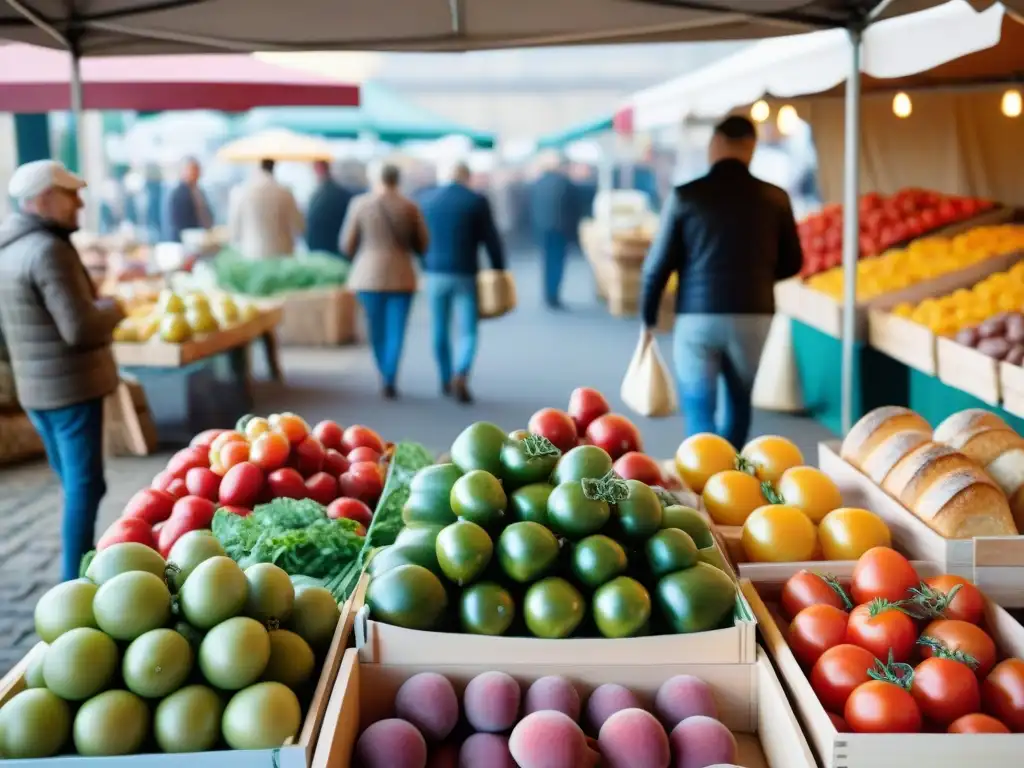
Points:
(334, 463)
(358, 436)
(241, 485)
(291, 426)
(203, 483)
(231, 454)
(977, 723)
(882, 572)
(307, 457)
(161, 480)
(838, 723)
(362, 453)
(205, 439)
(804, 589)
(177, 488)
(127, 529)
(1003, 693)
(286, 483)
(968, 604)
(880, 707)
(197, 511)
(329, 434)
(837, 672)
(880, 629)
(186, 458)
(150, 505)
(363, 481)
(616, 434)
(970, 639)
(557, 426)
(270, 451)
(814, 630)
(322, 488)
(945, 690)
(638, 466)
(350, 509)
(240, 511)
(586, 405)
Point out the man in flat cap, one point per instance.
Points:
(58, 333)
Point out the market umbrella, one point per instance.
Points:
(277, 144)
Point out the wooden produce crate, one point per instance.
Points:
(319, 317)
(18, 438)
(994, 563)
(294, 755)
(1011, 387)
(130, 428)
(750, 699)
(911, 343)
(897, 750)
(969, 370)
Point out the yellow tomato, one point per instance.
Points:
(771, 455)
(730, 496)
(778, 533)
(256, 427)
(809, 490)
(848, 533)
(701, 456)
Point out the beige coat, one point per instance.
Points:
(264, 219)
(383, 232)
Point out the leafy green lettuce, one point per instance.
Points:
(270, 277)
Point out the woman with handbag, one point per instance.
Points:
(383, 232)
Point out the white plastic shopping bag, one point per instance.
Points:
(648, 387)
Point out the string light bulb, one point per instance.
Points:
(760, 111)
(902, 107)
(1011, 105)
(787, 120)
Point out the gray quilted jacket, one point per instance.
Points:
(58, 334)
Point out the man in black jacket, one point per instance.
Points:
(186, 206)
(326, 212)
(730, 237)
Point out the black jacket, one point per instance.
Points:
(325, 215)
(730, 236)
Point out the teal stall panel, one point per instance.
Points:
(935, 401)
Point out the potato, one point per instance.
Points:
(1016, 355)
(968, 337)
(996, 348)
(994, 327)
(1015, 328)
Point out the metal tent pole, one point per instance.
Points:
(851, 223)
(77, 108)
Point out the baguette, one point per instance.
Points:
(963, 504)
(875, 427)
(918, 470)
(883, 459)
(962, 421)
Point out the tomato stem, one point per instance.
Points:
(610, 489)
(833, 582)
(171, 572)
(930, 603)
(894, 672)
(881, 605)
(745, 465)
(538, 447)
(943, 651)
(771, 494)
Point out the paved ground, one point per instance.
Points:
(529, 360)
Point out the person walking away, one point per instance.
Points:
(58, 336)
(730, 237)
(187, 206)
(265, 220)
(459, 221)
(326, 212)
(554, 211)
(383, 232)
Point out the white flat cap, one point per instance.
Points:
(32, 179)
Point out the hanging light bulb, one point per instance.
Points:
(787, 120)
(760, 111)
(901, 105)
(1011, 105)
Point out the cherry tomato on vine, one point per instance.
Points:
(945, 690)
(814, 630)
(837, 672)
(967, 603)
(1003, 693)
(882, 628)
(970, 639)
(882, 707)
(882, 572)
(805, 589)
(977, 723)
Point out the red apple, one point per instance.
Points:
(241, 485)
(358, 436)
(334, 463)
(307, 457)
(152, 505)
(329, 434)
(638, 466)
(350, 509)
(363, 481)
(557, 426)
(322, 488)
(363, 453)
(186, 459)
(585, 405)
(616, 434)
(202, 482)
(286, 483)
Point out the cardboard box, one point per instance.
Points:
(750, 698)
(851, 750)
(994, 563)
(911, 343)
(296, 755)
(1011, 386)
(969, 371)
(318, 317)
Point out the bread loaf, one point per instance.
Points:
(984, 444)
(886, 455)
(963, 504)
(875, 427)
(966, 420)
(919, 469)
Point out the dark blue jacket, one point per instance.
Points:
(554, 205)
(459, 221)
(326, 214)
(180, 212)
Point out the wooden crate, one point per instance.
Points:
(1011, 387)
(968, 370)
(130, 428)
(320, 317)
(750, 700)
(897, 750)
(911, 343)
(994, 563)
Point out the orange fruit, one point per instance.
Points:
(771, 455)
(701, 456)
(811, 490)
(730, 496)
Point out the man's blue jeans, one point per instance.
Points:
(453, 297)
(555, 245)
(73, 438)
(387, 313)
(714, 350)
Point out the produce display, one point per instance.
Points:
(271, 277)
(788, 512)
(176, 319)
(922, 260)
(515, 537)
(947, 490)
(187, 654)
(885, 222)
(894, 653)
(546, 724)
